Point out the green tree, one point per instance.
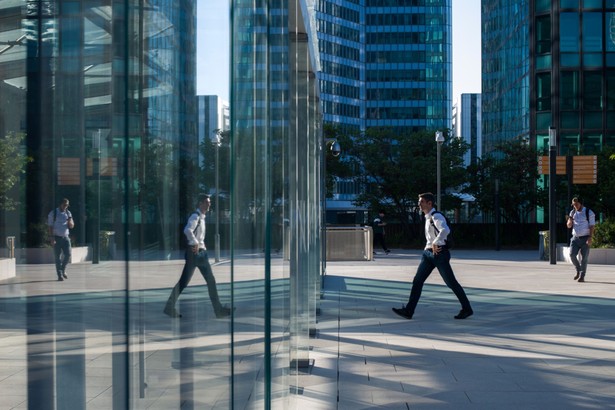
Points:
(12, 166)
(514, 165)
(395, 168)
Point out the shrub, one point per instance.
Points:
(604, 234)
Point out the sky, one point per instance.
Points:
(213, 46)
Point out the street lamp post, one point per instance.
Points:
(217, 142)
(439, 142)
(552, 196)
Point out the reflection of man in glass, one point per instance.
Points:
(59, 221)
(196, 256)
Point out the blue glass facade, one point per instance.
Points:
(386, 63)
(505, 71)
(573, 75)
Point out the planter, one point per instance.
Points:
(597, 256)
(45, 255)
(7, 268)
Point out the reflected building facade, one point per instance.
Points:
(102, 96)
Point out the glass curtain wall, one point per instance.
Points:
(275, 199)
(97, 105)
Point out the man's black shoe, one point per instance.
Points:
(223, 312)
(60, 278)
(581, 279)
(464, 314)
(170, 311)
(577, 276)
(402, 312)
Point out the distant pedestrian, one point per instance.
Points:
(435, 255)
(59, 221)
(582, 220)
(379, 233)
(196, 257)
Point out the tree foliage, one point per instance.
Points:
(394, 168)
(12, 166)
(514, 165)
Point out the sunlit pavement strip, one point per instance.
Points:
(537, 340)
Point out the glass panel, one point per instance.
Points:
(564, 4)
(592, 91)
(543, 120)
(570, 120)
(592, 120)
(569, 32)
(609, 32)
(569, 144)
(592, 60)
(543, 5)
(592, 144)
(543, 62)
(610, 60)
(543, 34)
(570, 60)
(592, 32)
(592, 4)
(569, 90)
(543, 91)
(610, 90)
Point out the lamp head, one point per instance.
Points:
(335, 148)
(439, 137)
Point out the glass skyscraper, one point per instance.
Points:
(505, 72)
(386, 63)
(549, 64)
(573, 74)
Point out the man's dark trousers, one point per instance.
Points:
(429, 261)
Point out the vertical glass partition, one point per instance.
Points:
(98, 106)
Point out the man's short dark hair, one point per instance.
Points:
(429, 197)
(577, 199)
(202, 197)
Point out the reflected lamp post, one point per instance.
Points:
(96, 174)
(439, 142)
(330, 146)
(217, 140)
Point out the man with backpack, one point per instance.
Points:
(435, 255)
(59, 221)
(196, 257)
(582, 220)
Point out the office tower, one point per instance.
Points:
(385, 63)
(505, 71)
(469, 126)
(573, 74)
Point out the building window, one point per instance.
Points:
(543, 91)
(569, 90)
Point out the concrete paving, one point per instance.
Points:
(537, 340)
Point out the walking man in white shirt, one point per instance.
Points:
(435, 255)
(59, 221)
(582, 221)
(196, 256)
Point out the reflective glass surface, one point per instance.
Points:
(134, 292)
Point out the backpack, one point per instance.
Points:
(449, 241)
